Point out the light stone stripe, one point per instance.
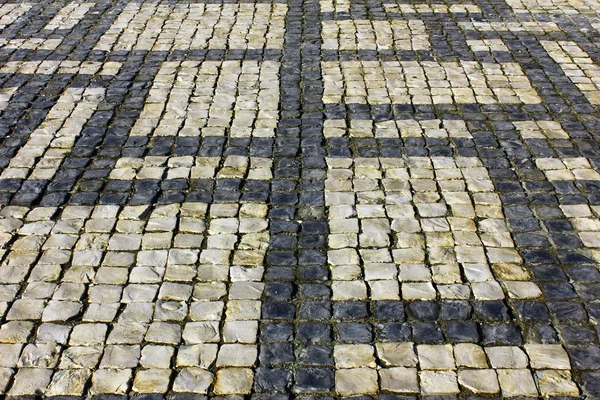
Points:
(344, 6)
(555, 6)
(412, 228)
(427, 82)
(501, 26)
(432, 8)
(577, 65)
(212, 98)
(374, 35)
(161, 27)
(7, 8)
(431, 128)
(567, 169)
(403, 367)
(243, 240)
(189, 167)
(69, 16)
(54, 138)
(9, 13)
(49, 67)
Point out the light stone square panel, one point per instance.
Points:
(427, 82)
(192, 26)
(212, 98)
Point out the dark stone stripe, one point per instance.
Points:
(295, 349)
(497, 112)
(118, 55)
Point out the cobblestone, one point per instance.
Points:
(282, 199)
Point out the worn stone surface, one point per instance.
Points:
(482, 381)
(323, 198)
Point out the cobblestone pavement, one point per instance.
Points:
(388, 199)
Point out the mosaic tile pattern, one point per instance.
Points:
(311, 199)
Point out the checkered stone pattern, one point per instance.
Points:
(280, 199)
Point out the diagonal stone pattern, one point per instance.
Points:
(315, 199)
